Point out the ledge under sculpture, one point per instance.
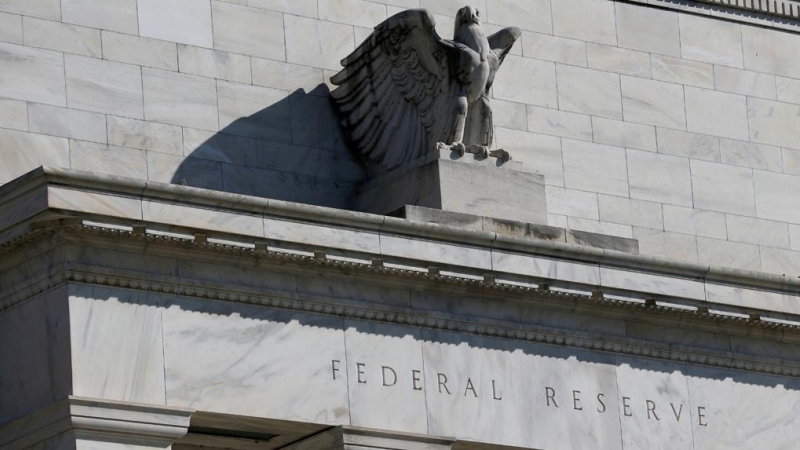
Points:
(406, 92)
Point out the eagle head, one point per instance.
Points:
(468, 15)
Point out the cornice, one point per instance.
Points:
(75, 273)
(782, 14)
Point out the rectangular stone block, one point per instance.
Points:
(221, 147)
(180, 99)
(648, 29)
(595, 167)
(318, 163)
(108, 159)
(711, 40)
(653, 102)
(688, 145)
(254, 111)
(317, 43)
(695, 222)
(183, 21)
(285, 76)
(306, 8)
(214, 64)
(140, 51)
(38, 151)
(682, 71)
(538, 153)
(533, 15)
(573, 203)
(104, 86)
(757, 231)
(10, 28)
(62, 37)
(619, 60)
(595, 226)
(45, 9)
(744, 82)
(69, 123)
(94, 203)
(589, 91)
(31, 74)
(527, 80)
(114, 15)
(774, 123)
(13, 114)
(449, 7)
(314, 123)
(788, 89)
(659, 178)
(791, 161)
(250, 31)
(509, 115)
(718, 187)
(559, 123)
(728, 254)
(770, 51)
(165, 168)
(143, 135)
(781, 262)
(681, 247)
(716, 113)
(353, 12)
(748, 154)
(586, 20)
(554, 48)
(628, 211)
(624, 134)
(776, 196)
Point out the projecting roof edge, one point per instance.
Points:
(783, 14)
(357, 221)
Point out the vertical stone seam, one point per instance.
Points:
(346, 372)
(619, 403)
(689, 398)
(163, 354)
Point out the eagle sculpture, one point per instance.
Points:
(405, 91)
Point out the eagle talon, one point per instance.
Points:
(459, 148)
(501, 154)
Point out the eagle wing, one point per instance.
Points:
(501, 43)
(393, 95)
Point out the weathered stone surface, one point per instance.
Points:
(757, 231)
(165, 168)
(250, 31)
(554, 48)
(183, 21)
(10, 28)
(589, 91)
(776, 193)
(254, 111)
(114, 15)
(140, 51)
(770, 51)
(630, 212)
(624, 134)
(100, 158)
(559, 123)
(354, 12)
(31, 74)
(648, 29)
(284, 76)
(774, 123)
(315, 43)
(788, 89)
(13, 114)
(587, 20)
(748, 154)
(214, 64)
(528, 81)
(737, 197)
(689, 145)
(534, 15)
(713, 41)
(538, 153)
(716, 113)
(69, 123)
(659, 178)
(573, 203)
(682, 71)
(653, 102)
(597, 227)
(39, 150)
(180, 99)
(694, 222)
(509, 115)
(45, 9)
(619, 60)
(62, 37)
(744, 82)
(306, 8)
(728, 254)
(143, 135)
(104, 86)
(595, 167)
(682, 247)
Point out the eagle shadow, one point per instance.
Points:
(292, 150)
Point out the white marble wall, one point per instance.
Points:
(679, 130)
(263, 362)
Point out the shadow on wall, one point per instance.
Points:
(292, 150)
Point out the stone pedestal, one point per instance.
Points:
(465, 184)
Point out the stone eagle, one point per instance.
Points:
(406, 91)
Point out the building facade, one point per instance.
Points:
(194, 256)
